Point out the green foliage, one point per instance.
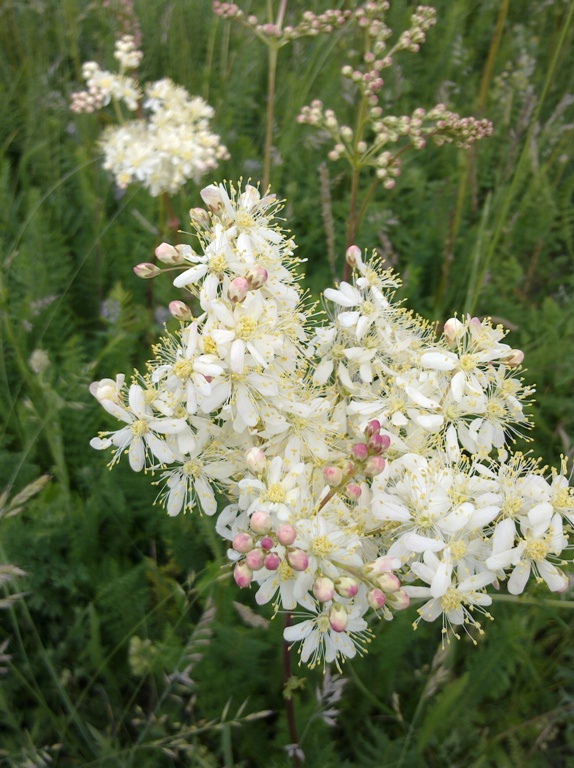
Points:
(128, 648)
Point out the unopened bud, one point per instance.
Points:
(256, 461)
(297, 559)
(257, 277)
(388, 582)
(243, 575)
(376, 598)
(272, 561)
(146, 270)
(515, 358)
(323, 589)
(260, 522)
(399, 600)
(374, 465)
(346, 586)
(333, 476)
(373, 428)
(238, 289)
(453, 330)
(383, 564)
(338, 617)
(360, 451)
(266, 543)
(199, 217)
(179, 310)
(242, 543)
(286, 534)
(353, 255)
(353, 491)
(167, 254)
(254, 559)
(348, 467)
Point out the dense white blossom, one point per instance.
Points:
(367, 462)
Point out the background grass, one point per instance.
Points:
(129, 648)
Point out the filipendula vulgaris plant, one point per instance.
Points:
(365, 460)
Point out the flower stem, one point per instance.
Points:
(289, 704)
(272, 61)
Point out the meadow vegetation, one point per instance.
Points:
(128, 646)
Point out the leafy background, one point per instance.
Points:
(130, 648)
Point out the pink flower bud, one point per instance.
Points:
(272, 561)
(373, 428)
(346, 586)
(297, 559)
(388, 582)
(375, 443)
(243, 575)
(383, 564)
(348, 467)
(353, 255)
(353, 491)
(242, 542)
(254, 559)
(199, 217)
(257, 277)
(260, 522)
(374, 466)
(399, 600)
(323, 589)
(286, 534)
(266, 542)
(338, 617)
(376, 598)
(168, 254)
(256, 461)
(179, 310)
(333, 476)
(146, 270)
(238, 289)
(360, 451)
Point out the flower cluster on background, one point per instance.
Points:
(162, 151)
(365, 461)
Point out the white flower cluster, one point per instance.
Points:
(365, 461)
(162, 152)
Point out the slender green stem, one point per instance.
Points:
(272, 64)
